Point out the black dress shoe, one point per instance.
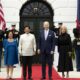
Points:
(43, 78)
(30, 79)
(50, 79)
(10, 78)
(24, 78)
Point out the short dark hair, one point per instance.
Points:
(60, 23)
(14, 25)
(26, 26)
(9, 32)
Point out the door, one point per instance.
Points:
(36, 24)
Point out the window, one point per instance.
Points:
(36, 9)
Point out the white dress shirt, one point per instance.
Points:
(27, 44)
(46, 33)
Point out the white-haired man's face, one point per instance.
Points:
(46, 25)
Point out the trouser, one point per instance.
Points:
(78, 58)
(27, 62)
(0, 56)
(47, 58)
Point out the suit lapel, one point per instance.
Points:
(43, 35)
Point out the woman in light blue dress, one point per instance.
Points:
(10, 53)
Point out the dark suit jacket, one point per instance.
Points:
(1, 39)
(47, 45)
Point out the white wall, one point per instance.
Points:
(65, 11)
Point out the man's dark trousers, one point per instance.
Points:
(27, 62)
(47, 58)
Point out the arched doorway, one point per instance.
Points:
(33, 13)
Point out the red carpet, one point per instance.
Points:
(36, 75)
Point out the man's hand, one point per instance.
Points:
(20, 54)
(38, 51)
(34, 52)
(70, 53)
(52, 52)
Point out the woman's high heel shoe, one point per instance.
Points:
(67, 76)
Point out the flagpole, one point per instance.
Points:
(2, 20)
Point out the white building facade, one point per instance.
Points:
(64, 11)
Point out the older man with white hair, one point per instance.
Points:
(46, 46)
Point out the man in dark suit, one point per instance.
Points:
(76, 45)
(1, 46)
(46, 46)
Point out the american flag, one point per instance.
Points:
(2, 20)
(78, 14)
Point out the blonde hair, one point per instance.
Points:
(63, 27)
